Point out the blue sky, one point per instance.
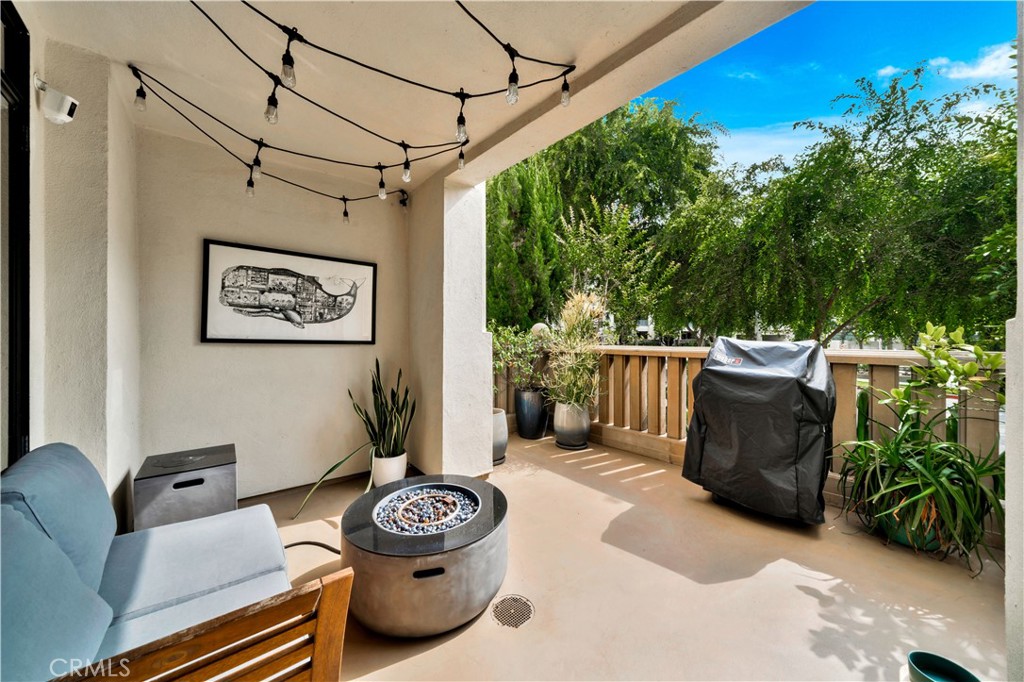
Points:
(791, 71)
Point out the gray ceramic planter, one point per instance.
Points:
(572, 426)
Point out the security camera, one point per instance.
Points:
(57, 107)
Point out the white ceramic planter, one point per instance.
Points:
(499, 426)
(388, 469)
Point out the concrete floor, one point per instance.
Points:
(635, 574)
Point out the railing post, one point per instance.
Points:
(693, 367)
(605, 396)
(655, 366)
(979, 422)
(884, 378)
(618, 390)
(635, 391)
(844, 426)
(675, 394)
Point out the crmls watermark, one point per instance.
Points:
(107, 668)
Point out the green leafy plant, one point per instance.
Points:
(520, 353)
(387, 426)
(916, 485)
(574, 358)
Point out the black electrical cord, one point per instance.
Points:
(245, 163)
(150, 79)
(314, 543)
(294, 35)
(277, 81)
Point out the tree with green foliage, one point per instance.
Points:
(524, 210)
(641, 155)
(605, 254)
(867, 230)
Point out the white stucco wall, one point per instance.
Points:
(73, 242)
(451, 353)
(1015, 422)
(122, 380)
(285, 406)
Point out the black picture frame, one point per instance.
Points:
(269, 295)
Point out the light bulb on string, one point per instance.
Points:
(140, 98)
(512, 94)
(406, 171)
(344, 213)
(461, 134)
(382, 191)
(565, 92)
(462, 159)
(257, 168)
(288, 68)
(271, 111)
(250, 188)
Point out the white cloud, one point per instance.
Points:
(747, 146)
(887, 71)
(993, 63)
(744, 75)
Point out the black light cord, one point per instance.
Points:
(293, 34)
(314, 543)
(236, 157)
(149, 79)
(277, 82)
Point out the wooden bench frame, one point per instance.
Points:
(296, 635)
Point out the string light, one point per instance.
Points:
(406, 165)
(257, 165)
(271, 111)
(140, 98)
(287, 78)
(512, 94)
(403, 198)
(288, 66)
(140, 93)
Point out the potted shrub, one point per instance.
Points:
(519, 356)
(573, 369)
(920, 489)
(387, 427)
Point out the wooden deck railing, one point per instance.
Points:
(646, 398)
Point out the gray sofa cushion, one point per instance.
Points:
(49, 616)
(181, 574)
(58, 490)
(124, 635)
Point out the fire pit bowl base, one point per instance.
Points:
(421, 585)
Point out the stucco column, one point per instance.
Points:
(450, 353)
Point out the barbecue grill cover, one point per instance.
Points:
(761, 430)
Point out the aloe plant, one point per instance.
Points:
(387, 426)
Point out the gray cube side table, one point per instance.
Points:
(180, 486)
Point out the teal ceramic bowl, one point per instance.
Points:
(928, 667)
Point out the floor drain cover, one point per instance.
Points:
(512, 611)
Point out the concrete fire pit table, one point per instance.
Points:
(429, 553)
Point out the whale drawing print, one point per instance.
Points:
(284, 295)
(258, 294)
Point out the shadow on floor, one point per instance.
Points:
(367, 652)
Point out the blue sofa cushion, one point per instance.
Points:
(58, 490)
(181, 574)
(49, 616)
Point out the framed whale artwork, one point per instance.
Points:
(255, 294)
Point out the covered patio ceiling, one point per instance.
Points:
(431, 42)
